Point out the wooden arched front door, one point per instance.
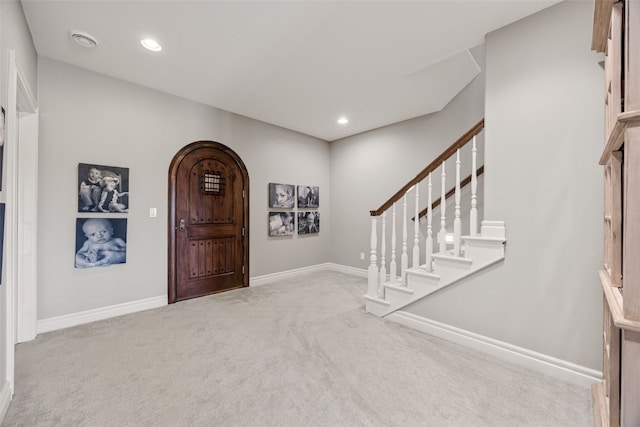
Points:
(208, 221)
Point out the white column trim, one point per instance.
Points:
(5, 399)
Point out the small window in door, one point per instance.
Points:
(212, 183)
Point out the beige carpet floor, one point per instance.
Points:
(298, 352)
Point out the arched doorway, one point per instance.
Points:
(208, 221)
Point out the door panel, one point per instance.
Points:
(209, 241)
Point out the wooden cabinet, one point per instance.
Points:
(616, 28)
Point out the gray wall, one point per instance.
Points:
(544, 115)
(368, 168)
(14, 35)
(90, 118)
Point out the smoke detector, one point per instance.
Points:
(83, 39)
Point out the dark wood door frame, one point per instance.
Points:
(172, 224)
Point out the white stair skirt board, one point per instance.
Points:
(80, 318)
(480, 252)
(5, 399)
(538, 362)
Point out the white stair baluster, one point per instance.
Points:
(383, 249)
(429, 241)
(404, 259)
(393, 269)
(457, 224)
(442, 236)
(372, 285)
(473, 227)
(416, 231)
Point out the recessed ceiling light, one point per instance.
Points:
(83, 39)
(343, 121)
(151, 45)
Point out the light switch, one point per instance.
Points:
(153, 212)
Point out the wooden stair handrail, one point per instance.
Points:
(450, 193)
(476, 129)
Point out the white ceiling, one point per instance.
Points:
(299, 64)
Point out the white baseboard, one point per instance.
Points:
(273, 277)
(538, 362)
(5, 399)
(75, 319)
(360, 272)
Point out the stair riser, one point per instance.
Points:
(397, 298)
(421, 284)
(482, 253)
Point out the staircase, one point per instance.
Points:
(479, 252)
(457, 256)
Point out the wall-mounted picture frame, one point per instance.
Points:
(103, 189)
(308, 196)
(308, 222)
(100, 242)
(2, 140)
(282, 223)
(2, 209)
(282, 195)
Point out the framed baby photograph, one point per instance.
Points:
(282, 223)
(282, 195)
(2, 206)
(100, 242)
(308, 196)
(308, 222)
(103, 189)
(2, 139)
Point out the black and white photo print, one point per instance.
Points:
(2, 139)
(308, 222)
(308, 196)
(100, 242)
(282, 195)
(282, 223)
(103, 189)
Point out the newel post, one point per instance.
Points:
(442, 235)
(473, 229)
(457, 223)
(429, 240)
(383, 250)
(404, 258)
(372, 287)
(416, 231)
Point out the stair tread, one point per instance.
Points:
(377, 300)
(447, 257)
(399, 288)
(423, 272)
(483, 239)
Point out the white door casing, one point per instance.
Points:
(20, 245)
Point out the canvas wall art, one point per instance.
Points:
(282, 195)
(2, 139)
(308, 196)
(282, 223)
(308, 222)
(103, 189)
(2, 205)
(100, 242)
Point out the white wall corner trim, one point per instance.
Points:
(538, 362)
(5, 399)
(75, 319)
